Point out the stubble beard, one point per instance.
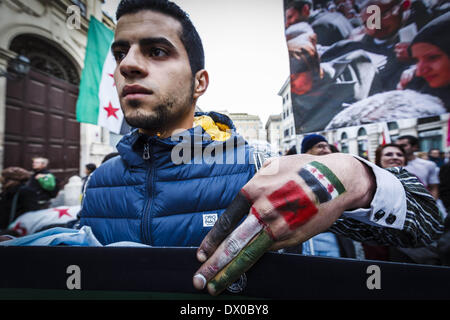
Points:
(163, 116)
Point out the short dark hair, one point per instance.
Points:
(411, 139)
(91, 167)
(189, 35)
(298, 5)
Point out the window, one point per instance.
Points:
(81, 5)
(362, 148)
(344, 136)
(344, 147)
(362, 132)
(430, 139)
(392, 125)
(286, 133)
(362, 143)
(428, 120)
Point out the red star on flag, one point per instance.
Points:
(111, 111)
(330, 188)
(21, 230)
(63, 212)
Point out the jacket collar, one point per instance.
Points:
(208, 127)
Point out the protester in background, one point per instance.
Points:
(431, 49)
(386, 156)
(435, 155)
(89, 168)
(16, 198)
(444, 186)
(390, 155)
(43, 182)
(424, 170)
(443, 246)
(325, 243)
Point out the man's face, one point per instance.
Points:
(320, 149)
(292, 16)
(390, 20)
(153, 76)
(435, 153)
(404, 143)
(433, 64)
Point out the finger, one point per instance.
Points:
(239, 207)
(227, 250)
(246, 258)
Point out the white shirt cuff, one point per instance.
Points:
(388, 207)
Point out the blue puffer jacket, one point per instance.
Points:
(159, 201)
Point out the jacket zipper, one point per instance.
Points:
(145, 225)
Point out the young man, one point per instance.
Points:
(147, 195)
(425, 170)
(162, 191)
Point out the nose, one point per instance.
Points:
(133, 64)
(421, 69)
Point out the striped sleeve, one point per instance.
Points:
(423, 223)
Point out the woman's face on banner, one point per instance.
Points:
(433, 64)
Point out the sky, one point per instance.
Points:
(245, 53)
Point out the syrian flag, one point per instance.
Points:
(98, 101)
(34, 221)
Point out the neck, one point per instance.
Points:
(411, 157)
(184, 123)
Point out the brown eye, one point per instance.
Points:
(158, 52)
(119, 55)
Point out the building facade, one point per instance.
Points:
(37, 111)
(273, 131)
(363, 140)
(288, 135)
(247, 125)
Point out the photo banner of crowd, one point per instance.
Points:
(358, 62)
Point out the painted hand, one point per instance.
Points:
(305, 196)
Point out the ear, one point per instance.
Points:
(201, 83)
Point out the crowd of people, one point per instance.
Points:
(346, 70)
(402, 153)
(26, 191)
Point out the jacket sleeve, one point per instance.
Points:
(423, 224)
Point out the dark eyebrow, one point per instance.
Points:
(119, 43)
(143, 42)
(153, 41)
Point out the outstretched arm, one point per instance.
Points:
(290, 200)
